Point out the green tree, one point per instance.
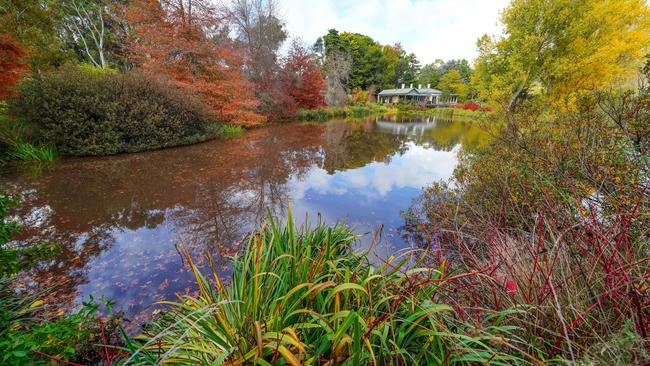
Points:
(452, 84)
(461, 65)
(390, 72)
(402, 68)
(432, 73)
(373, 64)
(429, 75)
(368, 60)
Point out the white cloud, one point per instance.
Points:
(432, 29)
(416, 168)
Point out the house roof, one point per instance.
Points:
(411, 91)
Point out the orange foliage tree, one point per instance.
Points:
(184, 41)
(12, 65)
(303, 79)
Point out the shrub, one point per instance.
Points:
(554, 216)
(302, 296)
(82, 112)
(471, 106)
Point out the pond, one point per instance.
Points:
(120, 219)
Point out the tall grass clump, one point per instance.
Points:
(27, 152)
(582, 280)
(302, 296)
(229, 131)
(19, 141)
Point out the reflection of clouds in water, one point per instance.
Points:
(416, 168)
(37, 217)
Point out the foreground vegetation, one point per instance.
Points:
(296, 296)
(303, 296)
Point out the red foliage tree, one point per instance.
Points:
(12, 63)
(303, 79)
(180, 39)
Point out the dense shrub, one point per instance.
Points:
(93, 112)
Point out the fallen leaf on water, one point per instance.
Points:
(36, 304)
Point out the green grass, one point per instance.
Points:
(301, 296)
(27, 152)
(326, 113)
(15, 146)
(230, 131)
(453, 114)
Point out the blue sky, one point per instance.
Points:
(432, 29)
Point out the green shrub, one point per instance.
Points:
(82, 112)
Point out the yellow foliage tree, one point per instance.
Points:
(452, 84)
(561, 49)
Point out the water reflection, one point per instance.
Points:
(120, 218)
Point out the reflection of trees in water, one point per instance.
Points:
(208, 195)
(80, 243)
(434, 132)
(350, 145)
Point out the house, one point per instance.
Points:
(418, 95)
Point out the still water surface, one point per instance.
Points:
(119, 219)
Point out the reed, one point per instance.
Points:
(229, 131)
(302, 296)
(27, 152)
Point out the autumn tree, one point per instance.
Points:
(259, 34)
(303, 80)
(561, 49)
(12, 63)
(183, 40)
(38, 29)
